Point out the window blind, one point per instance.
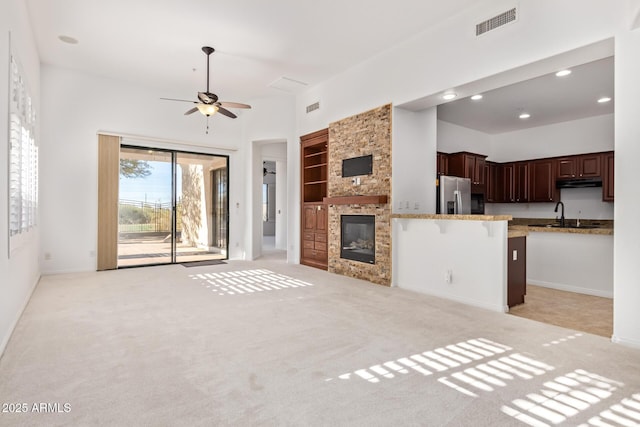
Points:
(23, 155)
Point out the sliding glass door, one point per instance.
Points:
(172, 207)
(201, 219)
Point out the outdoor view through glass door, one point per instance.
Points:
(173, 207)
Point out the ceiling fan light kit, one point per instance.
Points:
(207, 109)
(207, 102)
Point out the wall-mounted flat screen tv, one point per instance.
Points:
(357, 166)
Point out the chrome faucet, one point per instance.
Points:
(561, 213)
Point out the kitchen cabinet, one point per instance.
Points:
(608, 160)
(442, 166)
(580, 166)
(314, 235)
(493, 182)
(516, 270)
(508, 194)
(314, 161)
(542, 181)
(521, 182)
(515, 183)
(469, 165)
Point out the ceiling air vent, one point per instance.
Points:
(313, 107)
(495, 22)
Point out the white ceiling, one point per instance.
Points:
(157, 43)
(549, 99)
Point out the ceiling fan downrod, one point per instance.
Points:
(208, 51)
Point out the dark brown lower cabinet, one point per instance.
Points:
(516, 270)
(314, 235)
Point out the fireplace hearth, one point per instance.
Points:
(358, 238)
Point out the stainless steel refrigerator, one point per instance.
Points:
(454, 195)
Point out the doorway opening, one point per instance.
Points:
(268, 205)
(173, 207)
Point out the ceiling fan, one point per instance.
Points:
(207, 102)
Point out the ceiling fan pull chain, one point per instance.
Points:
(207, 125)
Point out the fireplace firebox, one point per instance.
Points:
(358, 238)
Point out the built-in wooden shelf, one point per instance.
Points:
(356, 200)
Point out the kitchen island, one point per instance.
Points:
(458, 257)
(574, 259)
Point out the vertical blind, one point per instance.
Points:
(23, 155)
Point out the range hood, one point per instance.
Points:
(579, 183)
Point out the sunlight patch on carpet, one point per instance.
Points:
(570, 394)
(246, 282)
(429, 362)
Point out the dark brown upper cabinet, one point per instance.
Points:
(608, 160)
(542, 181)
(580, 166)
(442, 166)
(469, 165)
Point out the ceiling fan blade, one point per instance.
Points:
(191, 111)
(181, 100)
(234, 105)
(226, 112)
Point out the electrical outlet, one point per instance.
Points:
(47, 256)
(515, 255)
(92, 254)
(448, 276)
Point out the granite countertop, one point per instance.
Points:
(454, 217)
(592, 226)
(517, 232)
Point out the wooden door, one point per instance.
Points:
(589, 165)
(321, 218)
(542, 180)
(521, 178)
(608, 178)
(309, 220)
(508, 188)
(566, 167)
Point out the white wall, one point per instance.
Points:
(626, 316)
(413, 148)
(580, 263)
(475, 252)
(590, 135)
(585, 203)
(70, 121)
(69, 174)
(453, 138)
(21, 271)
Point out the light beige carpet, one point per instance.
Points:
(266, 343)
(585, 313)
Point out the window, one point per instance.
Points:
(23, 156)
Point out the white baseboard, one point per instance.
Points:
(444, 295)
(5, 340)
(626, 342)
(570, 288)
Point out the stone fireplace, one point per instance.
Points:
(366, 252)
(358, 238)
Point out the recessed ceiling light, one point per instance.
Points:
(524, 115)
(563, 73)
(448, 96)
(604, 99)
(68, 39)
(476, 97)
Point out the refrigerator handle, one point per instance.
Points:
(458, 195)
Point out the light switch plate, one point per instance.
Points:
(515, 254)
